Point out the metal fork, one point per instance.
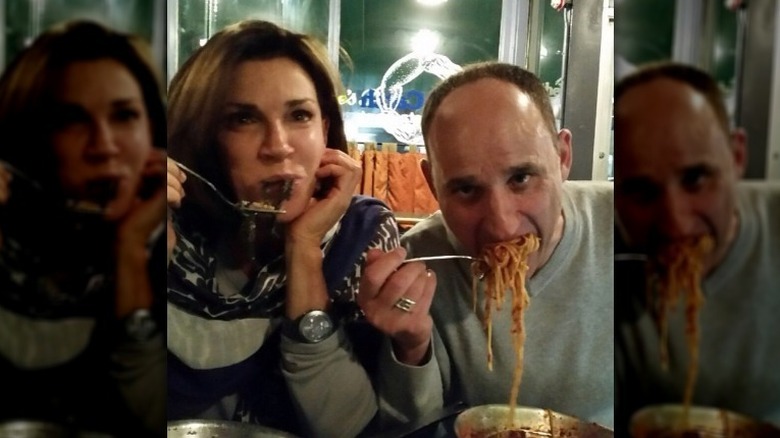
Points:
(479, 268)
(243, 206)
(75, 205)
(514, 432)
(441, 257)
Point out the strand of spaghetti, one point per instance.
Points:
(506, 264)
(680, 268)
(693, 304)
(519, 303)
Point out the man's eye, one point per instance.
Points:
(517, 180)
(465, 191)
(692, 179)
(643, 193)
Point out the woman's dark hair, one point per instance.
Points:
(28, 86)
(199, 89)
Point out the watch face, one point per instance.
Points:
(140, 325)
(315, 326)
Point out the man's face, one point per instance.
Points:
(495, 170)
(676, 168)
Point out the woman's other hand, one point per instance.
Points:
(5, 191)
(134, 289)
(175, 193)
(341, 174)
(148, 211)
(396, 298)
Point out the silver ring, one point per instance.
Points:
(404, 304)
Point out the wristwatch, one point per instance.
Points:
(311, 327)
(140, 326)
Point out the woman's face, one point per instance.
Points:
(102, 135)
(272, 131)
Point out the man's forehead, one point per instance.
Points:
(486, 94)
(660, 97)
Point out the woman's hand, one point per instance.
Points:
(146, 214)
(322, 214)
(5, 183)
(175, 192)
(396, 298)
(133, 283)
(306, 288)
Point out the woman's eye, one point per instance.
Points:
(240, 119)
(302, 115)
(66, 117)
(126, 115)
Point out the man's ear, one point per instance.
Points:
(739, 151)
(564, 152)
(425, 166)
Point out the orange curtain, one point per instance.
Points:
(354, 153)
(368, 172)
(424, 201)
(380, 175)
(401, 182)
(397, 179)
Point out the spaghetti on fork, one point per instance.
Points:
(676, 271)
(504, 266)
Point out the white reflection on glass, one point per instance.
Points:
(431, 2)
(425, 41)
(406, 127)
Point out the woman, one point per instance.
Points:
(262, 322)
(80, 114)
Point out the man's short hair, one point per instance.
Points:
(526, 81)
(697, 79)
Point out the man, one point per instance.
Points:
(678, 169)
(497, 166)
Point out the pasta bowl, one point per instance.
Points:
(26, 428)
(493, 421)
(667, 421)
(221, 429)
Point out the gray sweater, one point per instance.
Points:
(568, 364)
(739, 325)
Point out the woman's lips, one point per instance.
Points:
(277, 190)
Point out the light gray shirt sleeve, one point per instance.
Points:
(408, 392)
(140, 370)
(331, 389)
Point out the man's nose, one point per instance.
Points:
(102, 143)
(502, 219)
(676, 215)
(276, 144)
